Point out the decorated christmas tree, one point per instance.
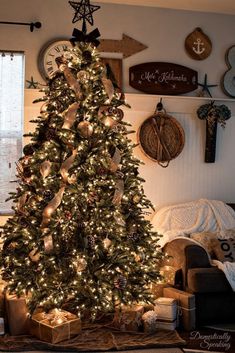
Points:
(79, 238)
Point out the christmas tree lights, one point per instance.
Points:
(79, 239)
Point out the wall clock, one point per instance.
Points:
(47, 55)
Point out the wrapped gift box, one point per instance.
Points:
(55, 326)
(166, 308)
(17, 316)
(150, 321)
(166, 324)
(187, 308)
(128, 318)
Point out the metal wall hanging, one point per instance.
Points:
(228, 81)
(161, 137)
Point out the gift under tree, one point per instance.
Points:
(79, 238)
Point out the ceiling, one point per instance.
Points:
(217, 6)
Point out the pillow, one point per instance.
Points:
(224, 249)
(206, 239)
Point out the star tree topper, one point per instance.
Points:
(83, 11)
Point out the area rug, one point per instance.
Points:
(153, 350)
(95, 340)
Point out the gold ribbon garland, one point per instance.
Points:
(70, 115)
(51, 207)
(119, 191)
(72, 81)
(22, 200)
(66, 165)
(108, 86)
(115, 160)
(45, 168)
(48, 243)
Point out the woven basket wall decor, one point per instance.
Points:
(161, 138)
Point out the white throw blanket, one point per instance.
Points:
(192, 217)
(229, 270)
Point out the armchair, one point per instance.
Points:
(214, 297)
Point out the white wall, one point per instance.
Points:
(162, 30)
(187, 177)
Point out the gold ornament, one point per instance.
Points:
(83, 76)
(70, 115)
(80, 264)
(107, 243)
(136, 198)
(34, 255)
(110, 116)
(45, 169)
(85, 128)
(67, 164)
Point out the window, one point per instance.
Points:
(11, 122)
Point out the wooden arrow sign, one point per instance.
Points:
(127, 45)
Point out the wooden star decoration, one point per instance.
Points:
(83, 11)
(32, 83)
(205, 87)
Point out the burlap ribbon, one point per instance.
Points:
(119, 191)
(48, 243)
(22, 200)
(108, 86)
(70, 115)
(45, 168)
(51, 207)
(72, 81)
(115, 160)
(67, 164)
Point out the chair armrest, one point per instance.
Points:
(185, 254)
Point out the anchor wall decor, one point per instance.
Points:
(198, 45)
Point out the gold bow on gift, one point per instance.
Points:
(55, 317)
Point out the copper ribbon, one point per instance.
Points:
(119, 190)
(51, 207)
(22, 200)
(72, 81)
(115, 160)
(70, 115)
(48, 243)
(67, 164)
(108, 86)
(45, 169)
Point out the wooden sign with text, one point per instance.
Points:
(162, 78)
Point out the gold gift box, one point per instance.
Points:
(128, 318)
(55, 326)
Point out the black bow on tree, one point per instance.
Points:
(79, 36)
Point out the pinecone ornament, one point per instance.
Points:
(133, 236)
(50, 134)
(91, 241)
(120, 282)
